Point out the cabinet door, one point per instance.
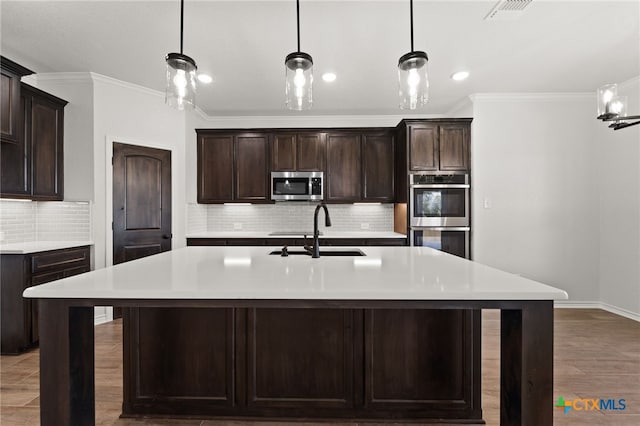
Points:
(283, 152)
(378, 170)
(437, 347)
(300, 359)
(251, 167)
(343, 167)
(15, 161)
(310, 152)
(215, 168)
(46, 128)
(454, 147)
(10, 108)
(423, 146)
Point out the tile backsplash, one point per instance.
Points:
(22, 221)
(287, 217)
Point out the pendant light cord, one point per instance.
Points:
(181, 24)
(411, 13)
(298, 20)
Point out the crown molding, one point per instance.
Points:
(63, 77)
(532, 97)
(268, 121)
(136, 87)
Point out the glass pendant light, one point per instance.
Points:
(298, 75)
(181, 75)
(413, 80)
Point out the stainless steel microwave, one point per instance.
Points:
(296, 186)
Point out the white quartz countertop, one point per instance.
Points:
(38, 246)
(250, 273)
(285, 234)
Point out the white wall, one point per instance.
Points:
(77, 89)
(618, 171)
(533, 160)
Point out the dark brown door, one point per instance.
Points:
(215, 168)
(377, 167)
(252, 168)
(141, 202)
(47, 121)
(283, 152)
(310, 152)
(343, 167)
(454, 147)
(15, 159)
(423, 145)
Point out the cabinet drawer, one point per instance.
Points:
(60, 260)
(46, 277)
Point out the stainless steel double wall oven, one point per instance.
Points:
(439, 207)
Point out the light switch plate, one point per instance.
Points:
(237, 226)
(364, 226)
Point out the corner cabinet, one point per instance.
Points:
(33, 166)
(438, 145)
(232, 167)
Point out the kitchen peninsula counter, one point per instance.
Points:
(259, 362)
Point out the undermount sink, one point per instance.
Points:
(350, 252)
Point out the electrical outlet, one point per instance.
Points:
(364, 226)
(487, 203)
(1, 235)
(237, 226)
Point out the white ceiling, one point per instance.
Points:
(555, 46)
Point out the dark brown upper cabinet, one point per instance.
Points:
(343, 177)
(304, 152)
(10, 112)
(251, 167)
(378, 167)
(33, 167)
(438, 145)
(232, 167)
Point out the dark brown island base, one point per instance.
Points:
(232, 332)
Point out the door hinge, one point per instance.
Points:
(112, 226)
(112, 161)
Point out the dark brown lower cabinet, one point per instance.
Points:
(302, 363)
(19, 316)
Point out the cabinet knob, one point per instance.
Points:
(167, 236)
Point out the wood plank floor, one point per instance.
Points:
(597, 355)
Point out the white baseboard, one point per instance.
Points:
(100, 319)
(567, 304)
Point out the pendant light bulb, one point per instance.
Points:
(180, 91)
(413, 80)
(298, 75)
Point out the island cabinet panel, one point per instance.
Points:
(343, 180)
(178, 360)
(300, 358)
(215, 168)
(421, 360)
(378, 167)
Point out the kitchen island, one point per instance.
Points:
(352, 298)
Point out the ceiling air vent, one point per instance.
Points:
(507, 10)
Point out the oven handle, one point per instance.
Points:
(443, 185)
(441, 228)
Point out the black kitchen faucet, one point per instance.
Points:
(315, 249)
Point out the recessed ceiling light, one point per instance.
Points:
(460, 75)
(205, 78)
(329, 77)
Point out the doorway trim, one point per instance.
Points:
(109, 141)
